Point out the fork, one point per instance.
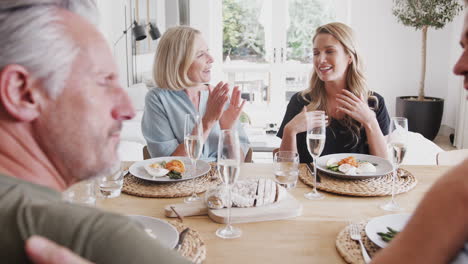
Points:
(355, 235)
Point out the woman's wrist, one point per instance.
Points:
(207, 124)
(371, 125)
(289, 131)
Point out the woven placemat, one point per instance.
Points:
(138, 187)
(193, 248)
(350, 249)
(379, 186)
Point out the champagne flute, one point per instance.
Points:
(229, 161)
(316, 134)
(193, 142)
(396, 144)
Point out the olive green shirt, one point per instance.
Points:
(28, 209)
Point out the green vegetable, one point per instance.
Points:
(174, 175)
(388, 236)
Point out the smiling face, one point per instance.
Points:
(461, 67)
(330, 58)
(200, 69)
(80, 130)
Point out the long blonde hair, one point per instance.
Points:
(175, 54)
(355, 79)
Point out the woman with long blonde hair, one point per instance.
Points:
(358, 118)
(182, 71)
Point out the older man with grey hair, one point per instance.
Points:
(61, 111)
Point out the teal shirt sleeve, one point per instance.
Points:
(163, 123)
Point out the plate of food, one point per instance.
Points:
(354, 166)
(381, 230)
(158, 229)
(168, 169)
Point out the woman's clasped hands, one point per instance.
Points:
(215, 109)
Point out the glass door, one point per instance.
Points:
(267, 50)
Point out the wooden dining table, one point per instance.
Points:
(309, 238)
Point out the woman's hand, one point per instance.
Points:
(217, 98)
(299, 123)
(355, 107)
(230, 115)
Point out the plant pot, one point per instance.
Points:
(424, 117)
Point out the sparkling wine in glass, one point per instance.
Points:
(229, 160)
(396, 144)
(316, 131)
(193, 142)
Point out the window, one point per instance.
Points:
(267, 50)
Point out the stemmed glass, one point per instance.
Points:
(396, 144)
(229, 161)
(316, 134)
(193, 142)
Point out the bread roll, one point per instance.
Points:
(246, 193)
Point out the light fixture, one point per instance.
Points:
(138, 31)
(154, 31)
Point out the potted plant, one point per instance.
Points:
(424, 113)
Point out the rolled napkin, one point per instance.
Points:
(246, 193)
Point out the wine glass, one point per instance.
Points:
(229, 160)
(193, 142)
(396, 145)
(316, 134)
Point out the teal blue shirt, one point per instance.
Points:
(163, 123)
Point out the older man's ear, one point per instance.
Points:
(20, 93)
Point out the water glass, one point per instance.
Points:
(286, 168)
(110, 186)
(81, 193)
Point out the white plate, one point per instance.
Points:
(379, 224)
(164, 232)
(138, 169)
(383, 166)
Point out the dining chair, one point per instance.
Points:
(248, 156)
(275, 151)
(452, 157)
(146, 154)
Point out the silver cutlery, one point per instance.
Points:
(181, 238)
(356, 235)
(311, 171)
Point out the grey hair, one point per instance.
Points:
(32, 37)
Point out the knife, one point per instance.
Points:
(181, 238)
(311, 171)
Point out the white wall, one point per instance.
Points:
(112, 25)
(392, 53)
